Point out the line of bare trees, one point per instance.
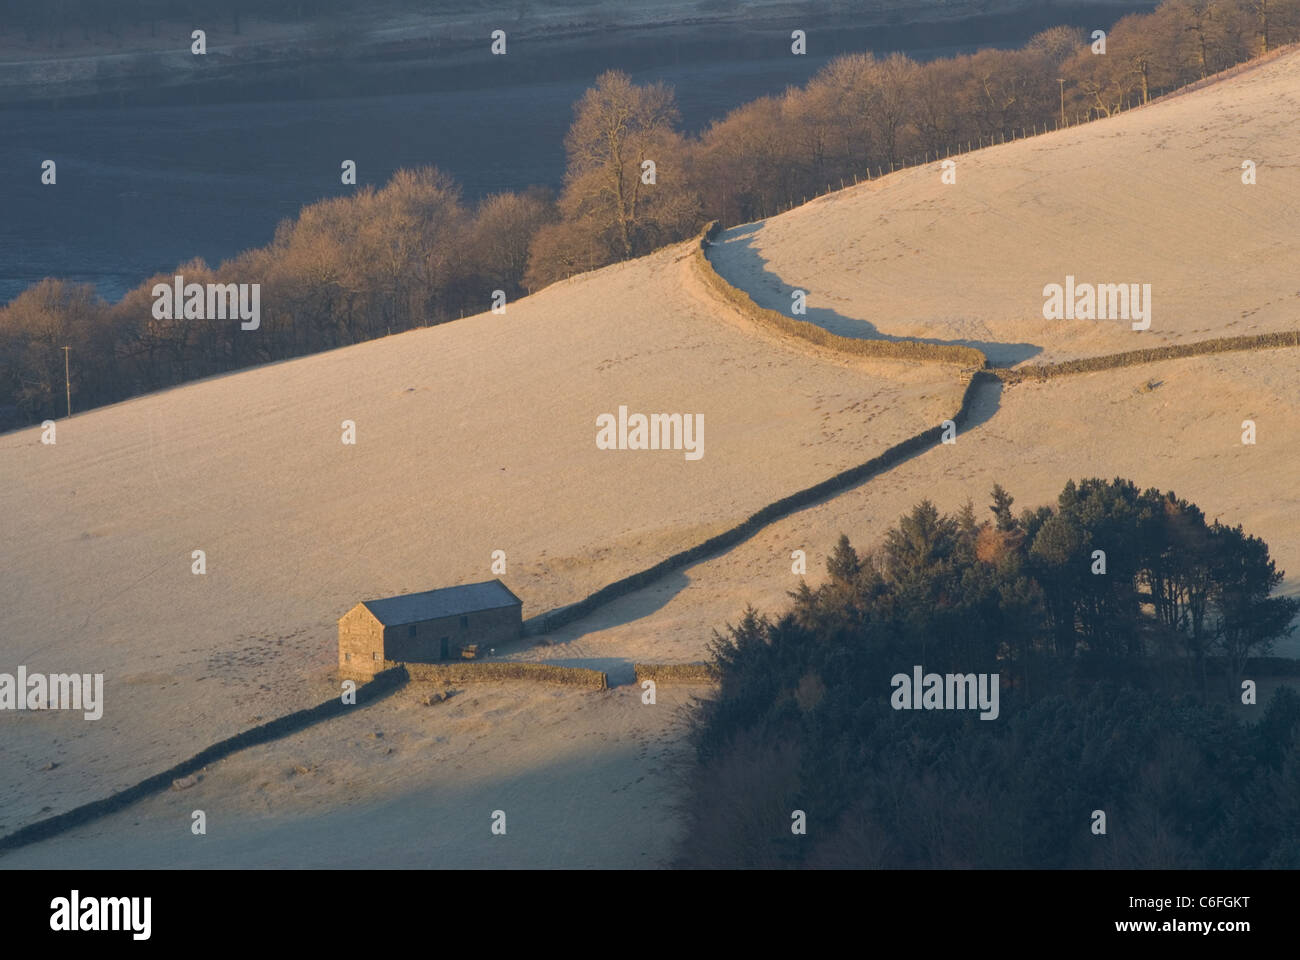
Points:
(862, 115)
(346, 270)
(413, 253)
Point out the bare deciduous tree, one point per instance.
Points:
(617, 127)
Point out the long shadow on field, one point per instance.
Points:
(736, 259)
(628, 608)
(640, 603)
(984, 404)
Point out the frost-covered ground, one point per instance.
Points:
(1153, 196)
(471, 437)
(479, 435)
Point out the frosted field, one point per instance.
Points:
(1151, 196)
(475, 436)
(480, 435)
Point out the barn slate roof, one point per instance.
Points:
(444, 602)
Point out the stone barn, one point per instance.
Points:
(428, 627)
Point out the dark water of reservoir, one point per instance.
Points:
(143, 187)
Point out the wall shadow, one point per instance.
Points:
(985, 401)
(626, 608)
(636, 597)
(742, 259)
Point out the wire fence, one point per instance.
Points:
(1067, 119)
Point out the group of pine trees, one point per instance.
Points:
(413, 253)
(1121, 691)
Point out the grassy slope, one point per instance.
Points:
(472, 437)
(1151, 196)
(249, 467)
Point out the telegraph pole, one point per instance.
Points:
(1061, 81)
(67, 381)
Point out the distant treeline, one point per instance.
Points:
(413, 253)
(1121, 691)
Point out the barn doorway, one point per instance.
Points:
(444, 646)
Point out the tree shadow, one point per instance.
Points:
(741, 257)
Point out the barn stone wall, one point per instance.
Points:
(487, 628)
(360, 635)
